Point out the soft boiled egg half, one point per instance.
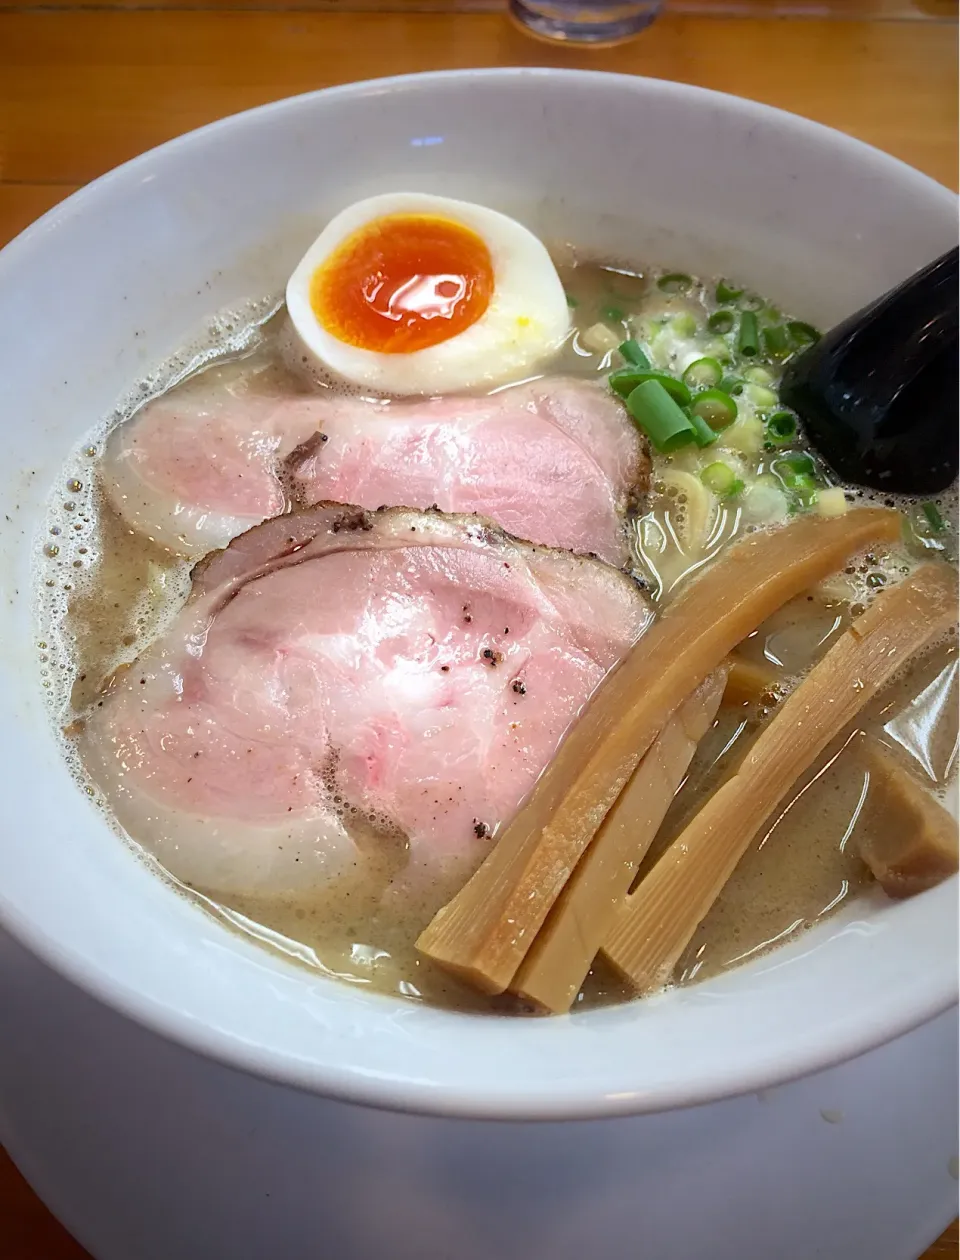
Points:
(407, 293)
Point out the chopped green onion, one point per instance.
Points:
(781, 428)
(634, 354)
(934, 519)
(761, 397)
(756, 374)
(626, 380)
(805, 488)
(614, 314)
(715, 407)
(721, 322)
(572, 301)
(702, 373)
(748, 343)
(776, 342)
(659, 417)
(726, 292)
(796, 465)
(684, 325)
(770, 315)
(796, 473)
(703, 435)
(675, 282)
(802, 334)
(721, 479)
(732, 385)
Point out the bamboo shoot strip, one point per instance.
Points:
(551, 974)
(484, 933)
(749, 681)
(913, 844)
(657, 921)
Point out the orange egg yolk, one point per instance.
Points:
(403, 283)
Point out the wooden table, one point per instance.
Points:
(84, 86)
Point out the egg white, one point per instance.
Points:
(525, 323)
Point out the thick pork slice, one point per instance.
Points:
(557, 462)
(338, 673)
(192, 471)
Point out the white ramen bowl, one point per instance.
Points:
(119, 276)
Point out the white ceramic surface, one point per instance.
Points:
(148, 1152)
(115, 279)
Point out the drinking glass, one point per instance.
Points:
(595, 22)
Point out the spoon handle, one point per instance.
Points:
(878, 394)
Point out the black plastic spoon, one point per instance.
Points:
(878, 394)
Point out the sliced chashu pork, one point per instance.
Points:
(192, 470)
(557, 462)
(401, 671)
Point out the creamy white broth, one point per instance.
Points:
(106, 592)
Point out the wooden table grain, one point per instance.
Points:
(86, 84)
